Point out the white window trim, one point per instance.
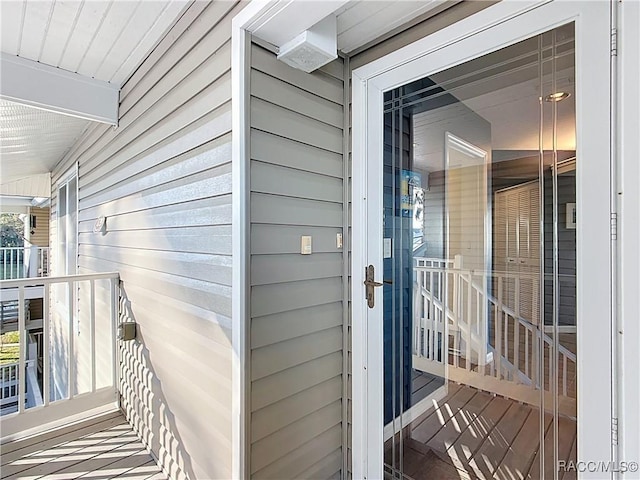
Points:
(64, 180)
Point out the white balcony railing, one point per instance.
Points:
(67, 362)
(482, 339)
(23, 262)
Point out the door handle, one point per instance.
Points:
(371, 284)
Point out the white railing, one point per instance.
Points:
(477, 334)
(9, 384)
(72, 374)
(24, 262)
(9, 397)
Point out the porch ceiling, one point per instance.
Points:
(359, 22)
(99, 41)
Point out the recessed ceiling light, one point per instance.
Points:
(556, 97)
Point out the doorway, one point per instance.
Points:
(474, 239)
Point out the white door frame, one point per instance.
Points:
(508, 22)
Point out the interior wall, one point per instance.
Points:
(162, 179)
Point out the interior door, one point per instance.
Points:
(453, 371)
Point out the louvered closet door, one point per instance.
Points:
(517, 248)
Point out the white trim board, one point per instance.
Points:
(509, 22)
(240, 157)
(629, 229)
(48, 88)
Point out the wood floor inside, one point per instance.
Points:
(102, 449)
(472, 434)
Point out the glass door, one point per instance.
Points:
(480, 246)
(481, 182)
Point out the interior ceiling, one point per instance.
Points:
(101, 39)
(502, 90)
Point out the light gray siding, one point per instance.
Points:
(296, 300)
(162, 179)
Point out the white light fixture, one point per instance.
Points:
(313, 48)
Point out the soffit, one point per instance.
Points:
(104, 40)
(359, 22)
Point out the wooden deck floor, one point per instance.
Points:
(472, 434)
(99, 449)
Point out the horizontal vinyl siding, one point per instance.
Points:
(40, 234)
(296, 300)
(162, 179)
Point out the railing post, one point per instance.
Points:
(22, 364)
(417, 314)
(32, 270)
(499, 313)
(115, 314)
(469, 308)
(46, 345)
(433, 321)
(92, 331)
(71, 369)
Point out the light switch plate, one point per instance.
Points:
(305, 245)
(386, 248)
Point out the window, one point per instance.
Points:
(67, 225)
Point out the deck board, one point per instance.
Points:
(472, 434)
(462, 451)
(13, 450)
(447, 409)
(486, 460)
(101, 449)
(452, 430)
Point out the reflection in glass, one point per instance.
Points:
(480, 299)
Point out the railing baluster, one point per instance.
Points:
(478, 310)
(516, 350)
(498, 354)
(564, 375)
(71, 353)
(517, 296)
(114, 283)
(454, 300)
(551, 358)
(22, 340)
(46, 345)
(469, 308)
(424, 324)
(526, 353)
(433, 323)
(92, 332)
(506, 336)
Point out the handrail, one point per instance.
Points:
(38, 281)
